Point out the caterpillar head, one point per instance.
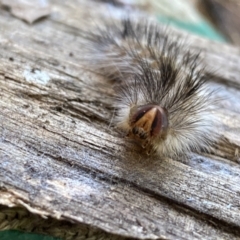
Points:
(148, 123)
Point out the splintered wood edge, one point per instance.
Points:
(13, 198)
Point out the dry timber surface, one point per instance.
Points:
(60, 157)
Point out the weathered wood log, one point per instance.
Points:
(60, 156)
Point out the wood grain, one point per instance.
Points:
(61, 157)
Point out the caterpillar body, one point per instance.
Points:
(162, 98)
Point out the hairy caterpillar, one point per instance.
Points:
(163, 101)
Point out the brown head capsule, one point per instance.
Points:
(148, 122)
